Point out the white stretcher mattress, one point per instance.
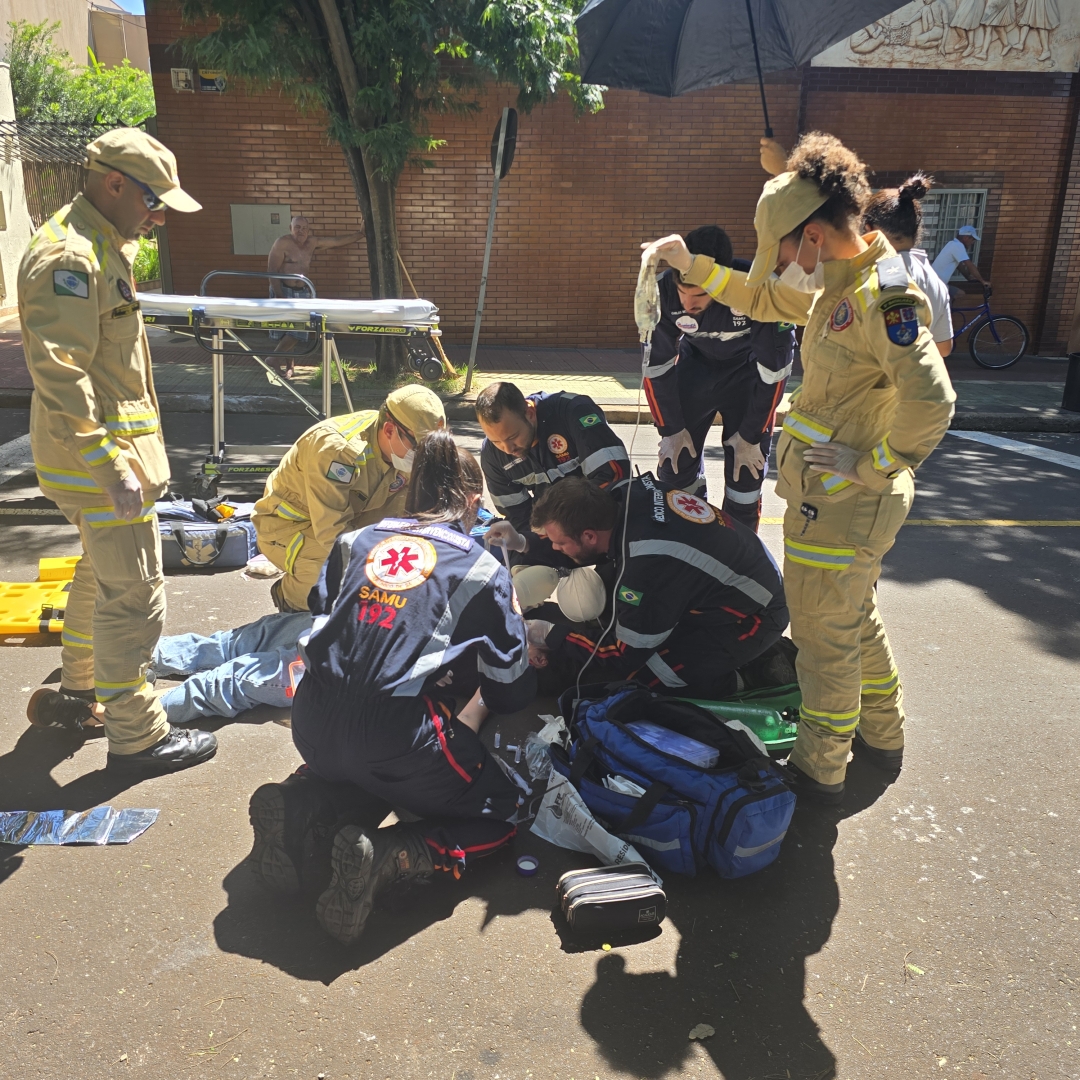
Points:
(273, 309)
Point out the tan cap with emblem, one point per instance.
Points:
(143, 158)
(417, 409)
(786, 202)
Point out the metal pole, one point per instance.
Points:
(327, 374)
(487, 250)
(218, 369)
(757, 62)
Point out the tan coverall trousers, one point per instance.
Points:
(302, 558)
(847, 673)
(113, 619)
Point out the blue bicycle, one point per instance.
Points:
(994, 341)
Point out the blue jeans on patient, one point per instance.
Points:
(232, 670)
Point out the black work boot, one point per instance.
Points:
(364, 862)
(294, 824)
(806, 787)
(178, 750)
(63, 710)
(889, 761)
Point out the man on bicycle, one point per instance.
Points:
(956, 255)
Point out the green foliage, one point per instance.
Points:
(412, 58)
(147, 266)
(48, 87)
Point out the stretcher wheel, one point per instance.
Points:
(431, 370)
(204, 487)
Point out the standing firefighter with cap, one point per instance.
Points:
(98, 448)
(342, 473)
(874, 402)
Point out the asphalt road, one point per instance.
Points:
(925, 929)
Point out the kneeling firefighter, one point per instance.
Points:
(412, 615)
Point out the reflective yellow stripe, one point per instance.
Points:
(881, 686)
(101, 250)
(349, 424)
(717, 280)
(100, 452)
(292, 551)
(838, 722)
(142, 423)
(104, 517)
(824, 556)
(66, 481)
(107, 691)
(55, 228)
(833, 483)
(883, 456)
(75, 640)
(284, 510)
(867, 288)
(806, 430)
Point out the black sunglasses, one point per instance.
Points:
(150, 198)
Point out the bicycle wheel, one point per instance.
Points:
(998, 341)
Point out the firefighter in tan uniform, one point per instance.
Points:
(98, 448)
(342, 474)
(874, 402)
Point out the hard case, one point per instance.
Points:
(611, 898)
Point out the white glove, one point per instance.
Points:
(536, 632)
(505, 535)
(748, 455)
(835, 458)
(127, 497)
(672, 446)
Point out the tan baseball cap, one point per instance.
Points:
(416, 408)
(785, 203)
(143, 158)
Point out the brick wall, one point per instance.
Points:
(585, 192)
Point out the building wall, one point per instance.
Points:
(584, 192)
(71, 14)
(17, 226)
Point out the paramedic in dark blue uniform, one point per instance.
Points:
(699, 596)
(708, 358)
(531, 443)
(412, 617)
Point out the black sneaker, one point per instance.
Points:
(889, 761)
(364, 862)
(806, 787)
(63, 710)
(178, 750)
(294, 824)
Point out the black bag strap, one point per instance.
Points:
(645, 806)
(583, 758)
(221, 535)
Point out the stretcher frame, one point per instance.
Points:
(218, 335)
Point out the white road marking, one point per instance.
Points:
(1053, 457)
(15, 458)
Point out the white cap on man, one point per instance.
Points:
(967, 230)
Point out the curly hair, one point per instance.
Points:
(838, 173)
(896, 211)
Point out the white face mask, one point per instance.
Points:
(403, 464)
(796, 277)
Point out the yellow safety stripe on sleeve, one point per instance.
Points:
(65, 480)
(881, 686)
(825, 556)
(836, 722)
(109, 691)
(75, 640)
(806, 430)
(100, 452)
(833, 483)
(716, 281)
(867, 288)
(884, 461)
(349, 424)
(101, 250)
(104, 517)
(293, 551)
(289, 513)
(55, 228)
(142, 423)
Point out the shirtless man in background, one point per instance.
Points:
(292, 254)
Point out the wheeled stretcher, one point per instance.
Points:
(217, 323)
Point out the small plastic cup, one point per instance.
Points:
(527, 865)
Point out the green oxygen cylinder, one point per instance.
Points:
(777, 730)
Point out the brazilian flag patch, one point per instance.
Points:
(785, 327)
(630, 596)
(589, 421)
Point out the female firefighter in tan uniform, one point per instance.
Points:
(874, 402)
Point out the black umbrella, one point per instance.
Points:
(670, 47)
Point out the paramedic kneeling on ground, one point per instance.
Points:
(874, 402)
(699, 595)
(342, 473)
(412, 616)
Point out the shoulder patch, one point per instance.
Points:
(892, 273)
(341, 472)
(71, 283)
(396, 484)
(842, 317)
(590, 421)
(691, 508)
(785, 327)
(124, 289)
(901, 319)
(630, 596)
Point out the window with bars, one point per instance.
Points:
(944, 211)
